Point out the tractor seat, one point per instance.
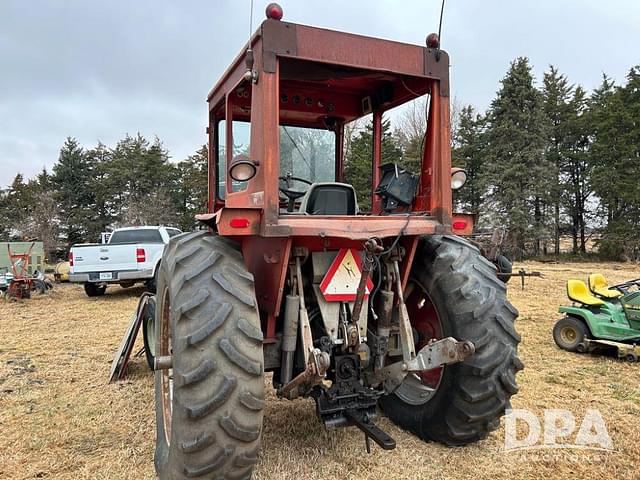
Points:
(598, 285)
(329, 198)
(578, 292)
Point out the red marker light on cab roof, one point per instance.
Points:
(459, 225)
(274, 11)
(239, 222)
(433, 41)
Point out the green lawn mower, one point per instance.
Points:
(601, 317)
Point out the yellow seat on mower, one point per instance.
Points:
(578, 292)
(599, 285)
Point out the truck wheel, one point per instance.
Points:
(209, 404)
(569, 334)
(149, 331)
(94, 289)
(454, 292)
(152, 283)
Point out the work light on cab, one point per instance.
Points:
(274, 11)
(458, 178)
(242, 170)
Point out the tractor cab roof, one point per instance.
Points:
(326, 75)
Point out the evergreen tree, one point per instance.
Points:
(576, 169)
(517, 174)
(615, 153)
(140, 178)
(72, 181)
(468, 153)
(104, 211)
(192, 193)
(5, 224)
(557, 94)
(14, 206)
(357, 170)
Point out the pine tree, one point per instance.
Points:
(192, 194)
(576, 169)
(357, 171)
(517, 173)
(14, 209)
(72, 181)
(557, 94)
(615, 154)
(468, 153)
(104, 211)
(140, 178)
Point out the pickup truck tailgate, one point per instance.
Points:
(104, 258)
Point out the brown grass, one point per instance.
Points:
(59, 418)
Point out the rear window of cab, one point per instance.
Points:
(136, 236)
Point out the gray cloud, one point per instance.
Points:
(97, 70)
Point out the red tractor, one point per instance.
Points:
(387, 307)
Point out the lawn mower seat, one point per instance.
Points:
(578, 292)
(599, 286)
(329, 198)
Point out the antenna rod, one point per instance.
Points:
(249, 74)
(251, 22)
(439, 31)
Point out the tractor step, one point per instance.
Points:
(371, 431)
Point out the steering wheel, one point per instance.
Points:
(292, 195)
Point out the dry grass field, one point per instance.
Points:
(60, 419)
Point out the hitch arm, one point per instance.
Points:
(437, 353)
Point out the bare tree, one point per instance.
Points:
(42, 223)
(350, 131)
(454, 118)
(413, 121)
(153, 209)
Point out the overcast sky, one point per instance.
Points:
(97, 70)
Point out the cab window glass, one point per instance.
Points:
(308, 153)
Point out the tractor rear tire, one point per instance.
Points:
(471, 304)
(569, 334)
(94, 290)
(209, 418)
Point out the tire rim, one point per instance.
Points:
(166, 378)
(151, 334)
(568, 335)
(419, 388)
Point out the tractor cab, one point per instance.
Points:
(277, 122)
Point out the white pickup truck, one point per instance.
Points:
(131, 255)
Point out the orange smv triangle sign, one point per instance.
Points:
(340, 283)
